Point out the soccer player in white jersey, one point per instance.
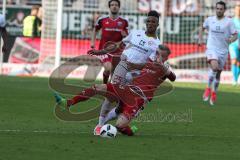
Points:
(141, 46)
(221, 32)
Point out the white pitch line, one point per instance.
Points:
(40, 131)
(139, 134)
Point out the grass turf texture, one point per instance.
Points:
(29, 129)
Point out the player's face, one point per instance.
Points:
(114, 7)
(220, 10)
(237, 11)
(151, 24)
(34, 12)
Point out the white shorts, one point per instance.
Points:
(220, 57)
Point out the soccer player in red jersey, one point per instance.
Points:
(130, 97)
(114, 28)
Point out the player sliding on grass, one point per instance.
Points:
(130, 97)
(141, 46)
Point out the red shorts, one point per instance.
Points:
(130, 102)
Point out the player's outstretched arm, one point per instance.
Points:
(233, 38)
(96, 52)
(93, 38)
(108, 47)
(200, 35)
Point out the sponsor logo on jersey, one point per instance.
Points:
(119, 24)
(150, 43)
(113, 29)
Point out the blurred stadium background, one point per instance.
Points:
(179, 25)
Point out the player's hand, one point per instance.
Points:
(91, 52)
(230, 40)
(123, 33)
(96, 52)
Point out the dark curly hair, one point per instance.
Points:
(109, 3)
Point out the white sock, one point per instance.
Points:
(215, 85)
(211, 77)
(106, 106)
(101, 120)
(111, 115)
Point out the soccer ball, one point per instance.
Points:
(108, 131)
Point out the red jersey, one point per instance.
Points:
(111, 29)
(150, 78)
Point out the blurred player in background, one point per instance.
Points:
(31, 24)
(141, 46)
(221, 32)
(132, 97)
(3, 33)
(234, 48)
(114, 28)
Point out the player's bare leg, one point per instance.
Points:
(211, 77)
(117, 78)
(235, 70)
(238, 66)
(107, 71)
(104, 111)
(215, 87)
(122, 125)
(100, 89)
(213, 82)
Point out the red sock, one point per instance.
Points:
(106, 75)
(126, 130)
(83, 96)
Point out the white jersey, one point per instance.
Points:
(218, 33)
(140, 47)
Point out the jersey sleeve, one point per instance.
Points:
(126, 27)
(98, 24)
(206, 23)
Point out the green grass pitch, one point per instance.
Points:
(183, 127)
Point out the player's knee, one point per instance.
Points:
(214, 65)
(101, 88)
(122, 121)
(215, 68)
